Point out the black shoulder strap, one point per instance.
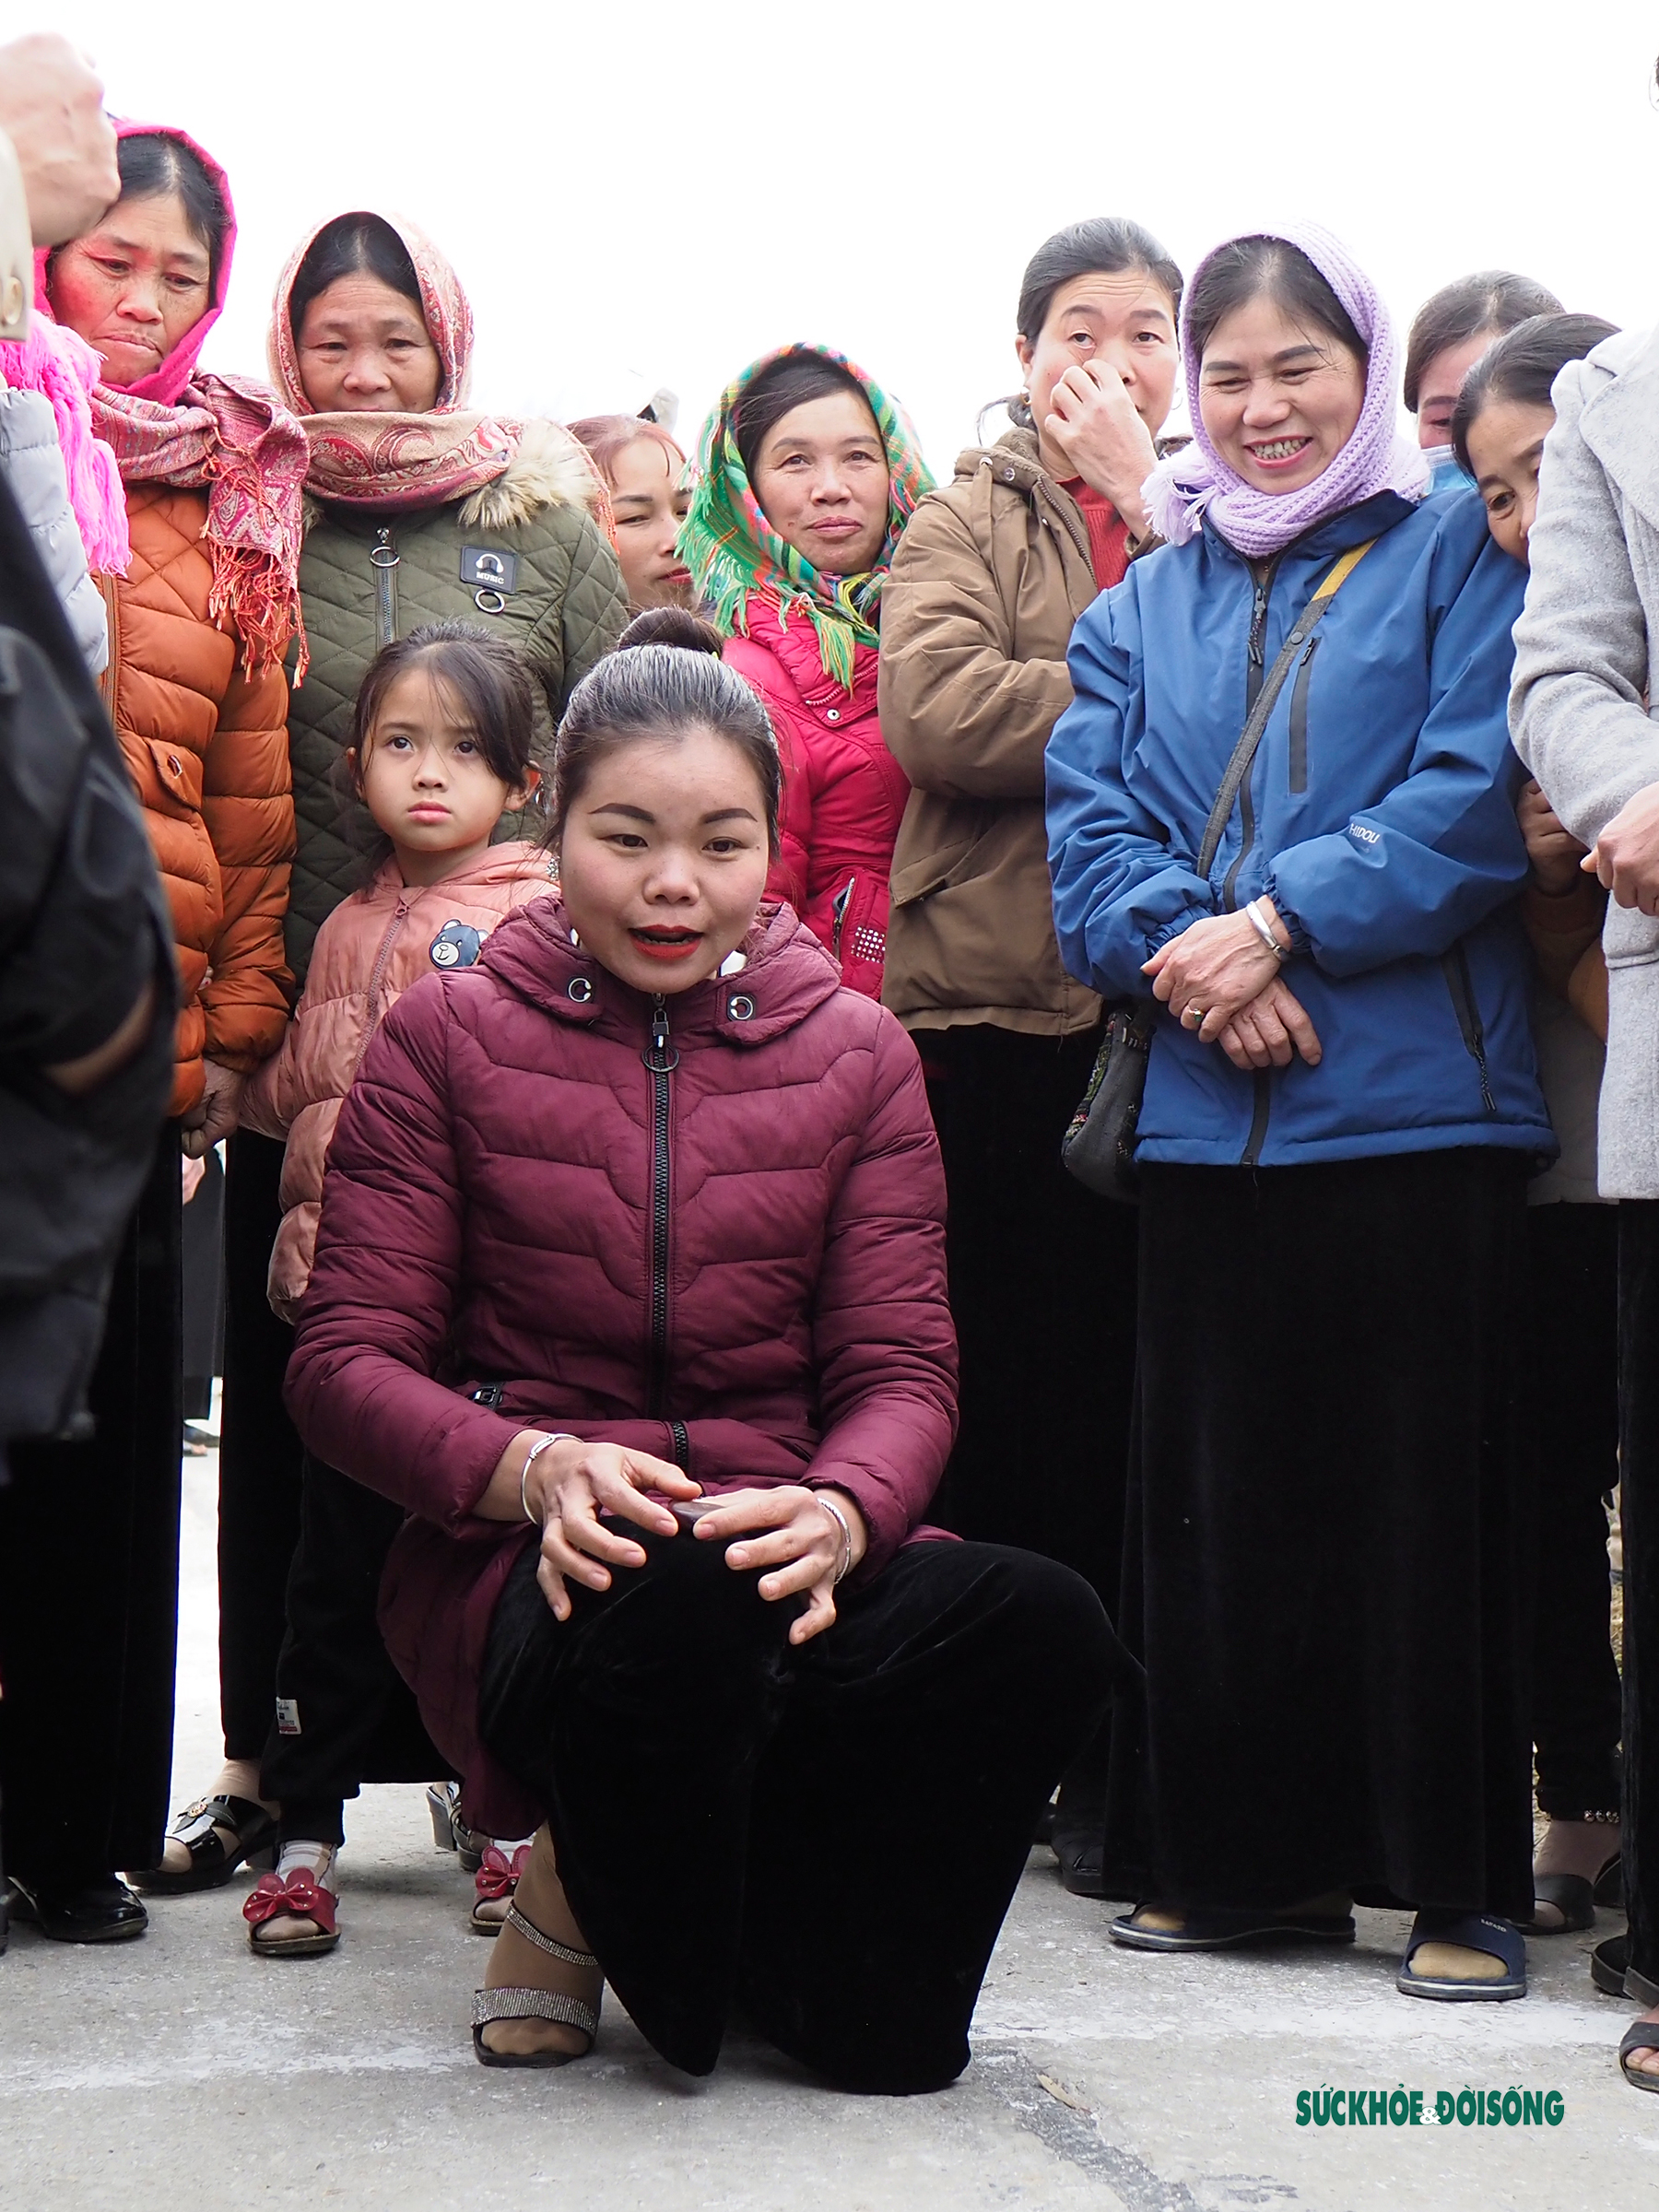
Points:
(1250, 738)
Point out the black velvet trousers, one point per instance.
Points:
(89, 1585)
(1572, 1255)
(1329, 1571)
(1639, 1514)
(1043, 1275)
(829, 1836)
(260, 1453)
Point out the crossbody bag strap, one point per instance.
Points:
(1250, 738)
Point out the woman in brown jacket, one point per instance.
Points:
(213, 469)
(990, 576)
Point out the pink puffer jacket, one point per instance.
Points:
(735, 1261)
(844, 793)
(369, 950)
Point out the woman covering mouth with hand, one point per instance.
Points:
(807, 477)
(1282, 805)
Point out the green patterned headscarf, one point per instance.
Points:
(732, 551)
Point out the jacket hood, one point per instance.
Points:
(1013, 460)
(550, 469)
(497, 864)
(1619, 381)
(786, 975)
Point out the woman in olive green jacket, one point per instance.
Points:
(991, 574)
(419, 509)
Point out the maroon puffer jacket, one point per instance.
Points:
(737, 1262)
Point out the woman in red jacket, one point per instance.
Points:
(630, 1286)
(807, 477)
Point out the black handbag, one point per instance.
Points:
(1100, 1140)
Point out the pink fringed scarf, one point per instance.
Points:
(228, 436)
(63, 369)
(389, 461)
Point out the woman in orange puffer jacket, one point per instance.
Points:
(213, 469)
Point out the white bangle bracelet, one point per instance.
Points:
(541, 1445)
(845, 1526)
(1263, 929)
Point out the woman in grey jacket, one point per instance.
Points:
(1582, 722)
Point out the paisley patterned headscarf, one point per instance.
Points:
(388, 461)
(733, 551)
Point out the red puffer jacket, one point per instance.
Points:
(844, 793)
(737, 1262)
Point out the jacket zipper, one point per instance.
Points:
(377, 975)
(1298, 718)
(660, 1059)
(843, 900)
(384, 558)
(1454, 966)
(1256, 676)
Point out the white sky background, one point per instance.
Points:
(638, 194)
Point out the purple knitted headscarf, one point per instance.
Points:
(1196, 482)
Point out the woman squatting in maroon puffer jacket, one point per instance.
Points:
(631, 1286)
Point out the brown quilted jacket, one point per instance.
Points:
(205, 743)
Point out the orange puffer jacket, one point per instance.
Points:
(369, 950)
(206, 746)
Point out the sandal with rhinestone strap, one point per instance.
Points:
(202, 1828)
(552, 2004)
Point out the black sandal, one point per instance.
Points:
(1643, 2036)
(212, 1860)
(491, 2005)
(1216, 1930)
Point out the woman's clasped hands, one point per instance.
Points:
(1221, 982)
(800, 1544)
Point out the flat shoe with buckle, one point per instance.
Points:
(104, 1911)
(299, 1894)
(202, 1828)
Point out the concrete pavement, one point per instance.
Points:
(179, 2072)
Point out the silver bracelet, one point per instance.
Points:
(1263, 929)
(845, 1526)
(541, 1445)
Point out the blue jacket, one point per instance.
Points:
(1379, 814)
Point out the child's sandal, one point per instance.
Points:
(496, 1884)
(551, 2005)
(298, 1896)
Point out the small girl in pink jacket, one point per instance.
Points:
(442, 748)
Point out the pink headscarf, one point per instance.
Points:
(1196, 482)
(229, 435)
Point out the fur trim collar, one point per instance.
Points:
(550, 469)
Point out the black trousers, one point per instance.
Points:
(89, 1585)
(722, 1804)
(202, 1257)
(1042, 1276)
(1329, 1574)
(343, 1713)
(260, 1453)
(1639, 1514)
(1572, 1258)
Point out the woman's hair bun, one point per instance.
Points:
(672, 626)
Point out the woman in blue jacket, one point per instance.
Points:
(1324, 1569)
